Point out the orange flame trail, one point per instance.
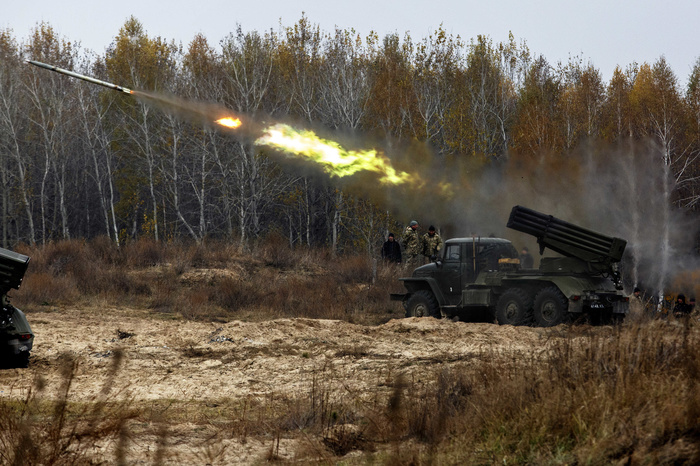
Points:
(229, 122)
(334, 159)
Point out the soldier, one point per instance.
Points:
(411, 244)
(636, 304)
(391, 251)
(526, 260)
(432, 243)
(681, 309)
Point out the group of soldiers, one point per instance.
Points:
(667, 306)
(415, 247)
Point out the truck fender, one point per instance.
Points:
(414, 284)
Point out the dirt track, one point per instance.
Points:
(209, 362)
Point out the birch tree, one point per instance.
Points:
(536, 128)
(690, 195)
(616, 111)
(143, 63)
(52, 98)
(392, 105)
(249, 62)
(14, 123)
(581, 102)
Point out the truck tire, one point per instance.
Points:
(22, 360)
(422, 303)
(514, 308)
(8, 360)
(551, 307)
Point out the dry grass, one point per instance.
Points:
(213, 281)
(624, 395)
(627, 394)
(46, 427)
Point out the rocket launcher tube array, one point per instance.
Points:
(566, 238)
(126, 90)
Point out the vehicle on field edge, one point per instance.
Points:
(477, 277)
(16, 336)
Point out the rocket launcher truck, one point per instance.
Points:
(16, 336)
(477, 277)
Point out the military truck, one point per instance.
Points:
(16, 336)
(477, 276)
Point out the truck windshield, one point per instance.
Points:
(452, 252)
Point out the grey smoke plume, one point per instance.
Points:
(623, 191)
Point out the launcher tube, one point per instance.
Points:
(72, 74)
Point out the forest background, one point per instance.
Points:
(494, 122)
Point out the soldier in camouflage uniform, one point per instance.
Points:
(412, 244)
(432, 243)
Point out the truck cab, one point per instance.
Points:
(461, 262)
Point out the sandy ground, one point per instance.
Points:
(205, 363)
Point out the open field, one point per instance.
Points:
(201, 376)
(168, 391)
(173, 362)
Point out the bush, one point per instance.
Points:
(43, 289)
(212, 281)
(143, 252)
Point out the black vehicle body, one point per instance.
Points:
(16, 336)
(479, 278)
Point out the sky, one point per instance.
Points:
(605, 33)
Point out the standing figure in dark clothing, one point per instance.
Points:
(681, 309)
(391, 251)
(526, 260)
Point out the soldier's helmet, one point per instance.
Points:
(413, 223)
(431, 228)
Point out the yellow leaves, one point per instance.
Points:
(654, 99)
(136, 59)
(200, 58)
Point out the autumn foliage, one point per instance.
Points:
(79, 161)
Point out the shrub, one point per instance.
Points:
(143, 252)
(42, 289)
(274, 250)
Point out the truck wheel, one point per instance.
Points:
(422, 303)
(513, 308)
(22, 360)
(8, 360)
(551, 307)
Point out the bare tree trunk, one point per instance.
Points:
(4, 179)
(336, 220)
(174, 141)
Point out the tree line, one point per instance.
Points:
(79, 161)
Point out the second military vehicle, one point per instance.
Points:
(16, 336)
(483, 275)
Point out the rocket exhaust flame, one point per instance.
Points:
(335, 160)
(191, 109)
(229, 122)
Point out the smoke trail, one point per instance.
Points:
(621, 191)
